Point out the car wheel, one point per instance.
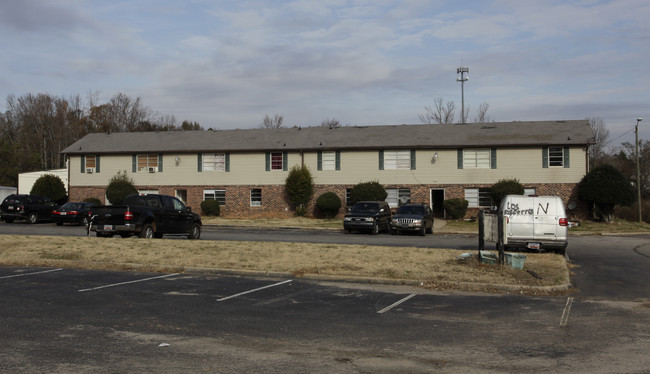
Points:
(375, 229)
(103, 235)
(346, 231)
(32, 218)
(195, 232)
(85, 221)
(147, 231)
(423, 231)
(430, 230)
(393, 231)
(9, 220)
(561, 251)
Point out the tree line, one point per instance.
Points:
(36, 127)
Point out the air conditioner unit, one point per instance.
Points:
(153, 169)
(90, 170)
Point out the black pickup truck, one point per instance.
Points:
(147, 216)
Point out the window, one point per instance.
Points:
(329, 160)
(276, 161)
(214, 162)
(398, 196)
(256, 197)
(478, 197)
(396, 159)
(182, 195)
(348, 202)
(555, 156)
(145, 162)
(219, 195)
(530, 191)
(90, 164)
(476, 158)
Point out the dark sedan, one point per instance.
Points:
(72, 212)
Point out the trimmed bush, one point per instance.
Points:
(119, 187)
(368, 191)
(50, 186)
(210, 207)
(455, 208)
(329, 204)
(505, 187)
(300, 188)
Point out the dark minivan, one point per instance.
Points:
(32, 208)
(373, 216)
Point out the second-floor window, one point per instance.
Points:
(214, 162)
(276, 161)
(148, 162)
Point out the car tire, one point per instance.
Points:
(32, 218)
(346, 231)
(393, 232)
(85, 221)
(195, 232)
(423, 231)
(147, 231)
(59, 223)
(9, 220)
(430, 230)
(103, 235)
(375, 229)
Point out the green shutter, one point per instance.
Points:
(96, 163)
(320, 161)
(285, 161)
(566, 157)
(199, 162)
(459, 154)
(83, 163)
(134, 163)
(381, 160)
(545, 157)
(160, 164)
(227, 162)
(338, 160)
(412, 159)
(493, 158)
(268, 161)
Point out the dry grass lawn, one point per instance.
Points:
(434, 268)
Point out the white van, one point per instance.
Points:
(535, 222)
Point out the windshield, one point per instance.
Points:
(408, 209)
(365, 207)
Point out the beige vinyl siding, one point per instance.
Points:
(356, 166)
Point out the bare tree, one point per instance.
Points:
(481, 113)
(272, 123)
(439, 114)
(597, 150)
(331, 123)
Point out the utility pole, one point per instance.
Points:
(638, 177)
(462, 71)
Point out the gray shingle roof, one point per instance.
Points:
(491, 134)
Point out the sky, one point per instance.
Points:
(227, 64)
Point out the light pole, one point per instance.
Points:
(638, 172)
(462, 70)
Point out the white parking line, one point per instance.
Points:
(386, 309)
(26, 274)
(122, 283)
(254, 290)
(565, 314)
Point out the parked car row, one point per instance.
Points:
(36, 208)
(376, 216)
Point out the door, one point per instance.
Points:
(437, 198)
(546, 220)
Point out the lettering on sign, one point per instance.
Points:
(513, 209)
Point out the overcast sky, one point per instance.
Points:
(226, 64)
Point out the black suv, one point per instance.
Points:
(373, 216)
(32, 208)
(412, 217)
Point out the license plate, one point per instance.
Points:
(533, 246)
(108, 227)
(405, 225)
(63, 213)
(11, 207)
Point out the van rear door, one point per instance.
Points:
(545, 218)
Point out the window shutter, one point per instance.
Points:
(493, 158)
(83, 163)
(460, 158)
(134, 163)
(96, 163)
(160, 165)
(227, 162)
(320, 161)
(412, 159)
(285, 162)
(338, 160)
(199, 162)
(268, 161)
(545, 157)
(566, 157)
(381, 160)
